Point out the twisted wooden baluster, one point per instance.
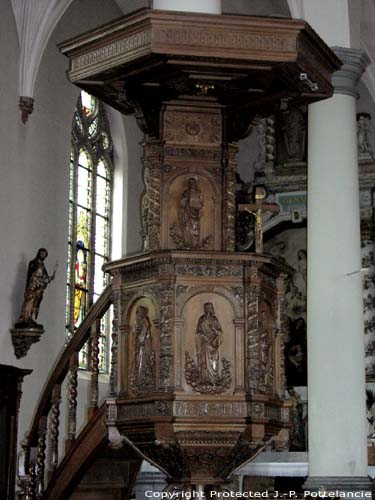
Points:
(31, 491)
(72, 400)
(53, 455)
(41, 457)
(23, 469)
(94, 362)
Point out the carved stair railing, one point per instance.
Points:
(39, 462)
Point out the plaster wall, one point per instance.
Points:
(331, 20)
(34, 165)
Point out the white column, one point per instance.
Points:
(336, 362)
(206, 6)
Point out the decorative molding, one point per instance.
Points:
(166, 299)
(192, 152)
(128, 44)
(23, 338)
(209, 409)
(355, 62)
(224, 39)
(208, 270)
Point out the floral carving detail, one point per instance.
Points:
(192, 128)
(192, 375)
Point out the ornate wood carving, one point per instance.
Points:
(116, 300)
(230, 198)
(204, 375)
(72, 398)
(186, 232)
(41, 457)
(94, 368)
(166, 300)
(142, 374)
(152, 161)
(249, 46)
(195, 83)
(53, 455)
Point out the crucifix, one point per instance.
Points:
(257, 209)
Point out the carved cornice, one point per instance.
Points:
(127, 63)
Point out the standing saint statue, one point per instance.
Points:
(36, 282)
(365, 151)
(191, 206)
(208, 337)
(143, 371)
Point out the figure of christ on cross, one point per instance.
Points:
(257, 209)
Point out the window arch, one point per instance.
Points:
(90, 208)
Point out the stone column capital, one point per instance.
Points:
(355, 62)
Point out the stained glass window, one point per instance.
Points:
(91, 178)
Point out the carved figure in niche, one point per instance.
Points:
(36, 282)
(204, 376)
(294, 131)
(142, 378)
(363, 136)
(296, 354)
(190, 213)
(296, 293)
(186, 234)
(300, 275)
(297, 432)
(266, 350)
(208, 339)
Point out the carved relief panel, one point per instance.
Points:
(192, 126)
(207, 348)
(264, 340)
(266, 332)
(140, 347)
(192, 178)
(190, 213)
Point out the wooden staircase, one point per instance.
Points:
(44, 472)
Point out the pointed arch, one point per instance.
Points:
(90, 217)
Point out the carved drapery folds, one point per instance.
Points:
(184, 321)
(199, 326)
(210, 373)
(185, 232)
(142, 375)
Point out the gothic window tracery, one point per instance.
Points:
(90, 200)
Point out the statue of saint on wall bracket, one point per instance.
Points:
(27, 331)
(204, 375)
(186, 232)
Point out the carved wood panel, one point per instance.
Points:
(209, 344)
